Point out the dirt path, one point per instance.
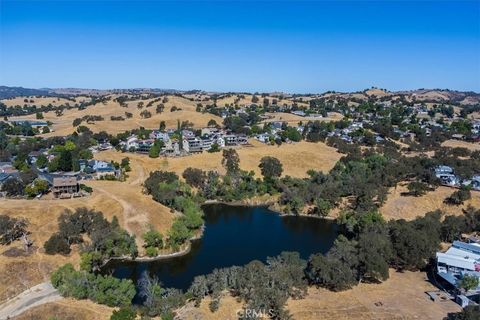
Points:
(35, 296)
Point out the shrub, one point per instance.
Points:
(126, 313)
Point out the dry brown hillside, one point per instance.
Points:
(63, 125)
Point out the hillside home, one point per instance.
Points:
(159, 135)
(193, 145)
(62, 186)
(132, 142)
(98, 168)
(171, 148)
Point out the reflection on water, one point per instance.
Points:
(234, 236)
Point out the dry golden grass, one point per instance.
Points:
(376, 92)
(42, 101)
(136, 213)
(227, 310)
(461, 144)
(400, 297)
(294, 119)
(247, 99)
(408, 207)
(297, 158)
(63, 125)
(68, 309)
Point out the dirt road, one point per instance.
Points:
(35, 296)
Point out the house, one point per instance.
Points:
(447, 176)
(105, 146)
(263, 137)
(188, 134)
(62, 186)
(299, 113)
(159, 135)
(473, 183)
(193, 145)
(207, 142)
(210, 131)
(98, 168)
(7, 167)
(458, 136)
(144, 146)
(441, 170)
(220, 141)
(171, 148)
(32, 123)
(230, 140)
(242, 139)
(460, 260)
(132, 142)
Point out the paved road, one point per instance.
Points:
(35, 296)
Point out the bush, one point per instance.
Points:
(417, 189)
(11, 229)
(57, 244)
(459, 197)
(151, 251)
(126, 313)
(106, 290)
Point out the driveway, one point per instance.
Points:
(35, 296)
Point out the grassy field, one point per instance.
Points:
(45, 101)
(68, 309)
(407, 207)
(296, 158)
(294, 119)
(63, 125)
(400, 297)
(461, 144)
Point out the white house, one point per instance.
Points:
(132, 142)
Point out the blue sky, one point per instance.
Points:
(241, 46)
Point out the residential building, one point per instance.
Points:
(193, 145)
(65, 186)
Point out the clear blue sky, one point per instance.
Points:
(241, 46)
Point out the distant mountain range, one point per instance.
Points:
(463, 97)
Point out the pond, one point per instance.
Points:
(234, 235)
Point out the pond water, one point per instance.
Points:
(234, 235)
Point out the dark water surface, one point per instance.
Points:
(234, 235)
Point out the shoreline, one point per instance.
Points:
(270, 205)
(238, 203)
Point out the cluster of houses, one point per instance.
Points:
(460, 260)
(63, 184)
(447, 176)
(190, 143)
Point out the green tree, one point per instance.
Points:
(162, 126)
(459, 197)
(417, 189)
(153, 238)
(212, 123)
(42, 161)
(468, 313)
(125, 313)
(271, 167)
(231, 161)
(375, 251)
(194, 177)
(469, 282)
